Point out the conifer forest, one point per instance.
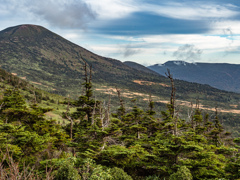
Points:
(124, 144)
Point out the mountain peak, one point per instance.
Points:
(176, 62)
(25, 30)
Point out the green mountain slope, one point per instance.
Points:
(33, 95)
(44, 57)
(57, 65)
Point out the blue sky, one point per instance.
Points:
(143, 31)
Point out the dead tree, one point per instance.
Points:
(70, 119)
(94, 112)
(107, 110)
(173, 91)
(121, 110)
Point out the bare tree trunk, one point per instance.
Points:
(69, 118)
(138, 134)
(93, 113)
(190, 113)
(175, 118)
(108, 108)
(1, 105)
(172, 99)
(90, 75)
(101, 115)
(107, 111)
(86, 75)
(121, 102)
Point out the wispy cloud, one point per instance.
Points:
(128, 51)
(141, 17)
(188, 10)
(188, 52)
(192, 10)
(64, 14)
(229, 34)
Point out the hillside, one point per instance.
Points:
(219, 75)
(57, 65)
(33, 95)
(41, 56)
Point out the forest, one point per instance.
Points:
(128, 144)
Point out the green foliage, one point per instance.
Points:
(101, 173)
(67, 172)
(154, 177)
(119, 174)
(90, 170)
(130, 157)
(233, 167)
(133, 145)
(183, 173)
(25, 132)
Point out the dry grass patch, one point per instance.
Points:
(149, 83)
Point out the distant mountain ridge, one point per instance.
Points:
(219, 75)
(139, 67)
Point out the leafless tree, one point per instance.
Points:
(173, 91)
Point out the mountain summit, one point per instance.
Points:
(25, 31)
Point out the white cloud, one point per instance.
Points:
(112, 9)
(219, 26)
(191, 11)
(206, 42)
(71, 36)
(152, 47)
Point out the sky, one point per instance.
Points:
(143, 31)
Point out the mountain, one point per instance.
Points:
(55, 64)
(219, 75)
(139, 67)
